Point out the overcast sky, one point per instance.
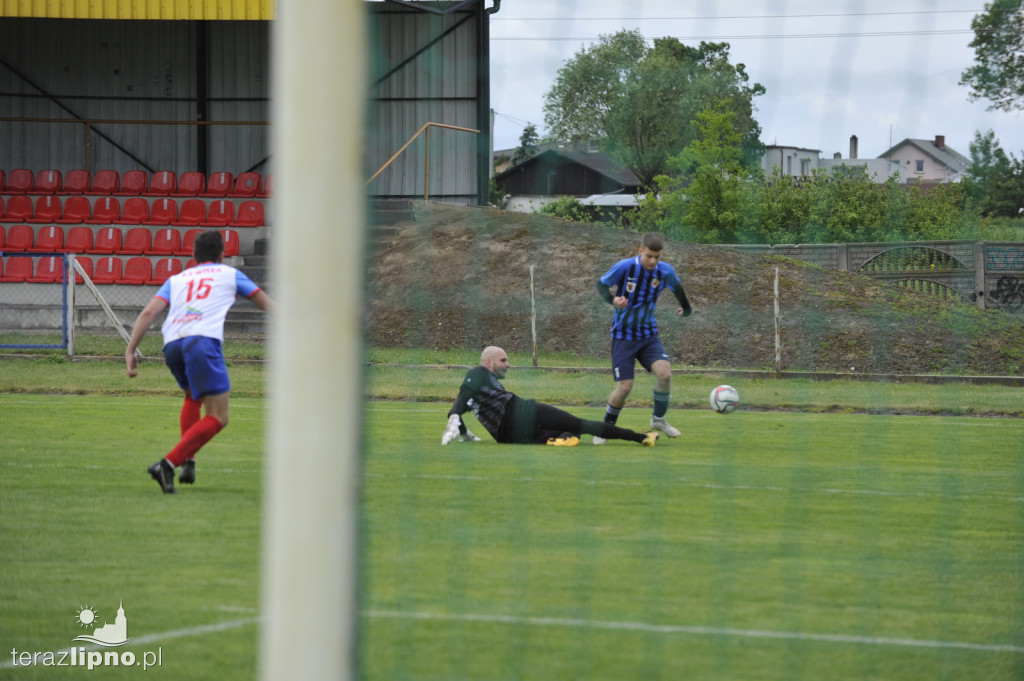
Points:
(878, 69)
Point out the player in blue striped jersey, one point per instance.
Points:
(638, 281)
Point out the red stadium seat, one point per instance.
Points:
(107, 270)
(19, 209)
(166, 242)
(137, 241)
(164, 183)
(133, 183)
(191, 183)
(76, 211)
(106, 241)
(191, 263)
(268, 189)
(17, 270)
(218, 185)
(162, 212)
(86, 263)
(19, 181)
(247, 185)
(48, 270)
(49, 240)
(20, 238)
(188, 241)
(136, 211)
(231, 245)
(193, 212)
(105, 211)
(250, 214)
(219, 214)
(2, 235)
(77, 182)
(48, 210)
(78, 240)
(3, 181)
(137, 271)
(105, 183)
(48, 182)
(164, 269)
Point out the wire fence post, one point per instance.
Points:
(533, 316)
(778, 335)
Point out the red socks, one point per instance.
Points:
(194, 438)
(190, 412)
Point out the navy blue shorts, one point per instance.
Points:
(197, 363)
(626, 353)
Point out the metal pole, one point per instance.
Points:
(778, 334)
(310, 509)
(533, 316)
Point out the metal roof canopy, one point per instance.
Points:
(430, 63)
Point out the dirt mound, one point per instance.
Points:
(456, 277)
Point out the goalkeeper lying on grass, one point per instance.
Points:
(513, 420)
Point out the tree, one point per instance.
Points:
(995, 181)
(642, 102)
(998, 74)
(527, 148)
(713, 163)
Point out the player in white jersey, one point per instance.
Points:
(198, 300)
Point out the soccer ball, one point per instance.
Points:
(724, 399)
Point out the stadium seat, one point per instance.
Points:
(164, 183)
(218, 185)
(19, 181)
(137, 241)
(2, 235)
(107, 270)
(191, 183)
(86, 263)
(136, 211)
(106, 241)
(20, 238)
(163, 269)
(49, 240)
(77, 182)
(191, 263)
(104, 183)
(78, 240)
(162, 212)
(105, 211)
(17, 269)
(19, 209)
(48, 270)
(76, 211)
(137, 271)
(193, 212)
(246, 185)
(231, 245)
(188, 241)
(166, 242)
(48, 182)
(219, 214)
(250, 214)
(133, 183)
(3, 181)
(47, 210)
(267, 190)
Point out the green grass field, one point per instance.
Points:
(812, 544)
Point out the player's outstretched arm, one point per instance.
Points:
(264, 302)
(142, 323)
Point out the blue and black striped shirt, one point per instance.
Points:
(629, 278)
